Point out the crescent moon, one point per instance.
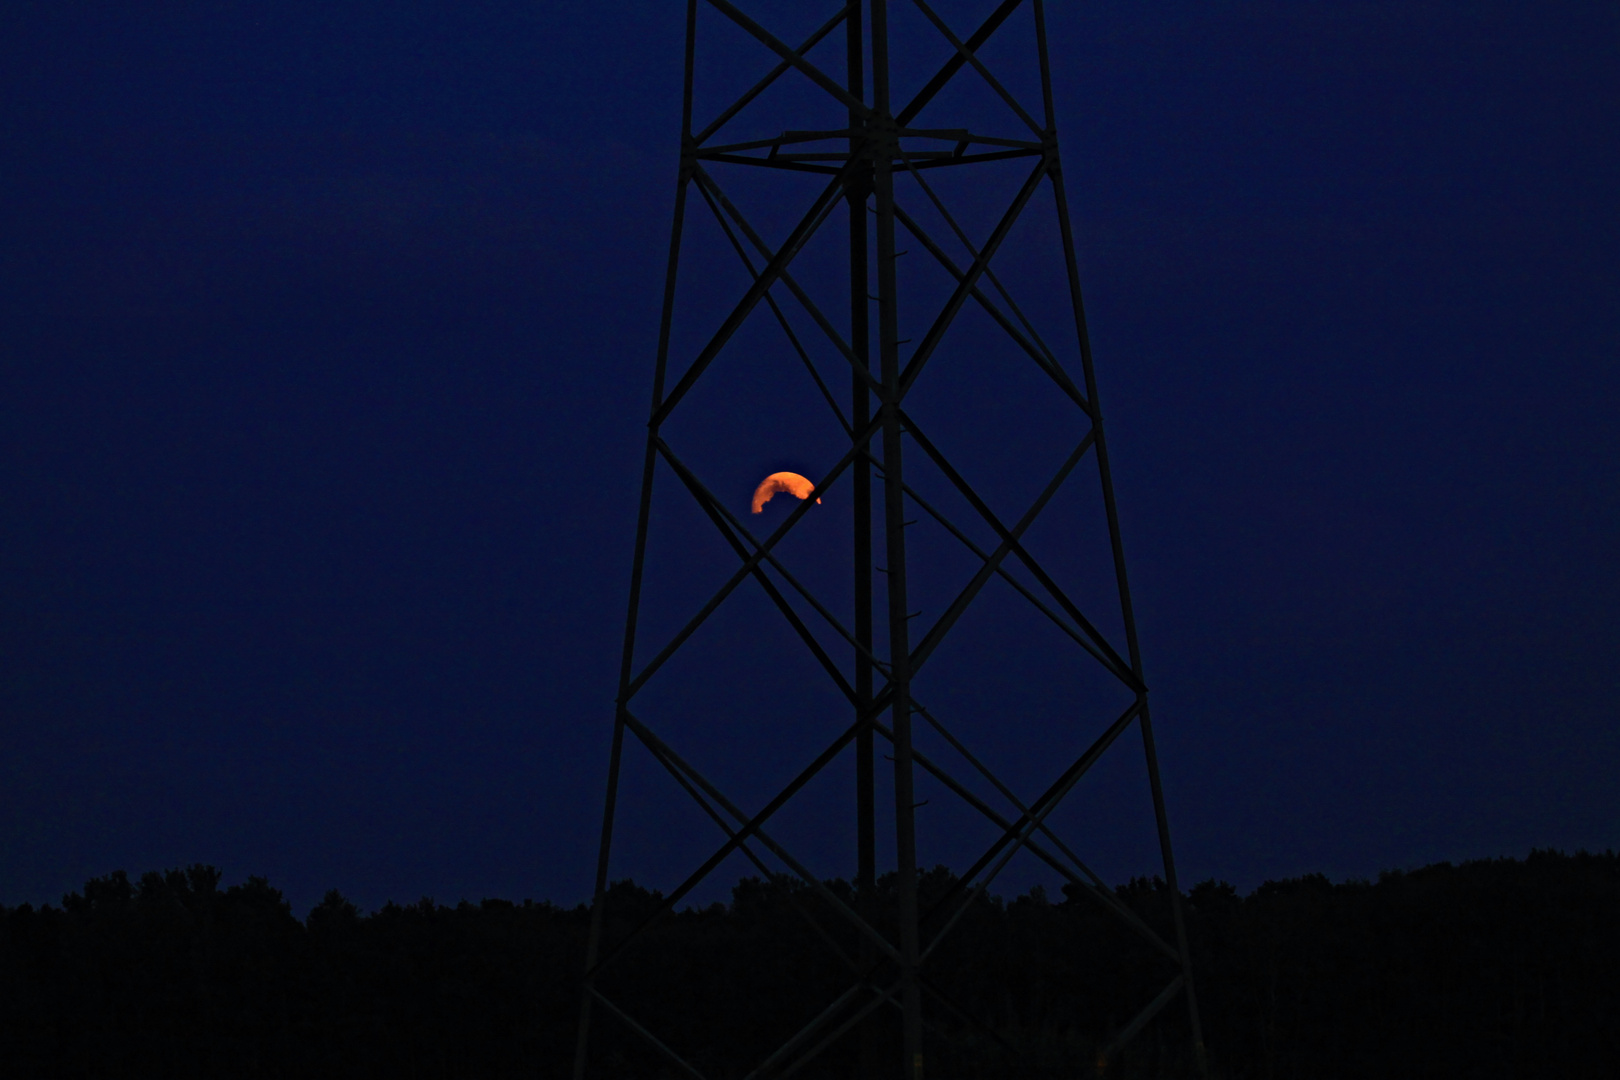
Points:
(790, 482)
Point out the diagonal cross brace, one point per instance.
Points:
(970, 57)
(760, 87)
(809, 1030)
(718, 514)
(631, 1023)
(716, 507)
(995, 313)
(927, 189)
(966, 795)
(873, 384)
(663, 749)
(1074, 635)
(1117, 665)
(792, 56)
(1015, 840)
(805, 775)
(947, 315)
(954, 64)
(781, 319)
(796, 240)
(793, 518)
(759, 864)
(1082, 763)
(942, 626)
(1165, 997)
(1094, 887)
(883, 997)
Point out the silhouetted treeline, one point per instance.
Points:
(1499, 968)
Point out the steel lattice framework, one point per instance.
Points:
(863, 164)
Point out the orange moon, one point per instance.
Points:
(790, 482)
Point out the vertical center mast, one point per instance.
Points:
(857, 194)
(884, 148)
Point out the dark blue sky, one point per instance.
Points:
(326, 336)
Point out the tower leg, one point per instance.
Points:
(593, 944)
(1071, 264)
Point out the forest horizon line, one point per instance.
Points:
(118, 883)
(1500, 967)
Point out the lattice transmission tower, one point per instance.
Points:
(837, 113)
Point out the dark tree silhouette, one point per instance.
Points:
(1498, 968)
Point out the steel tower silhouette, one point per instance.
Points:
(872, 165)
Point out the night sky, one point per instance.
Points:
(326, 341)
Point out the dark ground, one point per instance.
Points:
(1497, 968)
